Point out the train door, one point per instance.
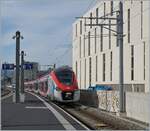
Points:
(46, 87)
(51, 88)
(40, 87)
(36, 86)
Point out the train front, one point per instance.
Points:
(66, 89)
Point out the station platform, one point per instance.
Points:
(35, 114)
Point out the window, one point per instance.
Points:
(111, 66)
(95, 39)
(109, 34)
(90, 20)
(46, 86)
(84, 45)
(141, 19)
(144, 59)
(96, 67)
(85, 74)
(117, 29)
(85, 25)
(76, 30)
(64, 76)
(132, 62)
(111, 8)
(97, 15)
(101, 47)
(90, 71)
(80, 74)
(89, 42)
(76, 69)
(80, 47)
(80, 27)
(104, 67)
(104, 10)
(36, 86)
(128, 25)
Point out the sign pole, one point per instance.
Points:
(17, 65)
(17, 36)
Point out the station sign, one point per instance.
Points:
(8, 66)
(28, 66)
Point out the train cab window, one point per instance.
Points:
(66, 77)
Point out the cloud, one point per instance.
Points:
(45, 24)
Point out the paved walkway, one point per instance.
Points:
(35, 114)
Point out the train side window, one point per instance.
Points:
(37, 86)
(46, 85)
(51, 83)
(41, 86)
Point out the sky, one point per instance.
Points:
(46, 26)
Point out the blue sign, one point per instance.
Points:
(28, 66)
(8, 66)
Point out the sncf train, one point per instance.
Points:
(59, 85)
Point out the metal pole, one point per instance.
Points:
(121, 69)
(17, 65)
(5, 78)
(54, 66)
(22, 72)
(148, 43)
(22, 96)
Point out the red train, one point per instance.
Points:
(59, 85)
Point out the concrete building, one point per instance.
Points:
(31, 74)
(96, 53)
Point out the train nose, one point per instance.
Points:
(68, 87)
(67, 95)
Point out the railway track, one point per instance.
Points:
(5, 92)
(94, 119)
(76, 111)
(81, 115)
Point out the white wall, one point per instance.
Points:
(137, 106)
(135, 9)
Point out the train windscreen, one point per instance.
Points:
(65, 77)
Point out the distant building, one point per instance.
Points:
(96, 53)
(6, 77)
(31, 74)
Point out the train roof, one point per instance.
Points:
(44, 76)
(63, 68)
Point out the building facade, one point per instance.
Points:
(31, 74)
(96, 52)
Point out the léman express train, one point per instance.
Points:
(59, 85)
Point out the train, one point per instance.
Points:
(58, 85)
